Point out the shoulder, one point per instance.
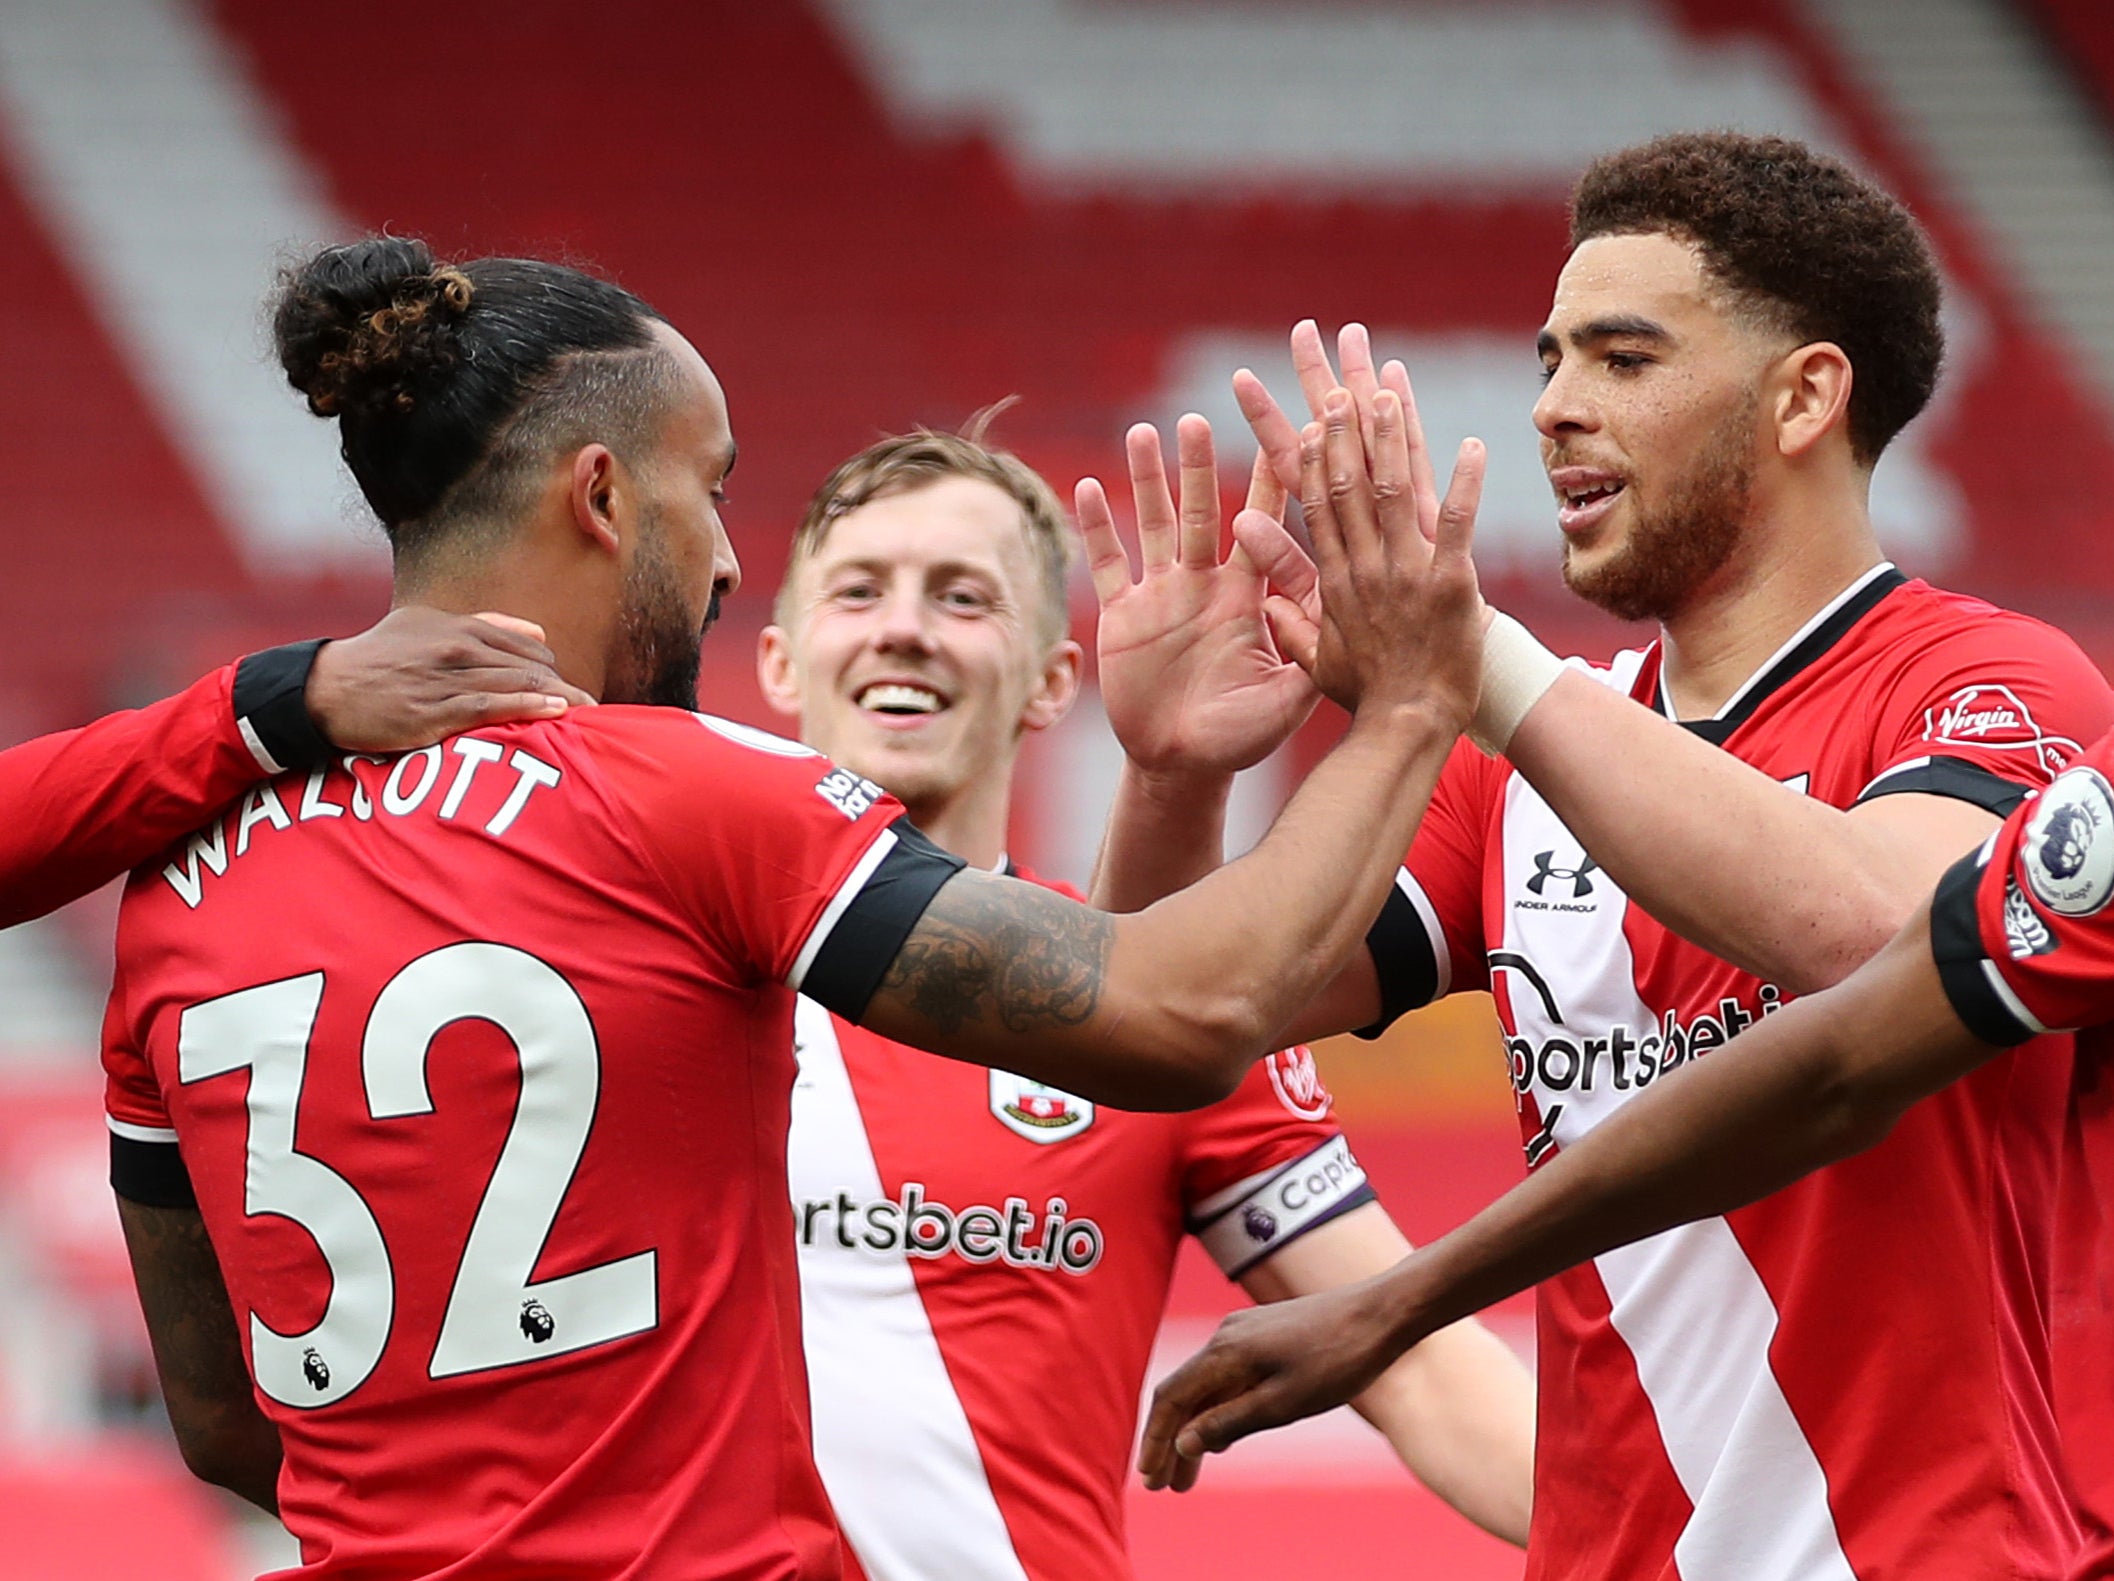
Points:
(1920, 617)
(671, 754)
(621, 726)
(1978, 674)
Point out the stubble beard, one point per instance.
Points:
(1676, 549)
(659, 646)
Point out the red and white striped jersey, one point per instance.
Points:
(1850, 1378)
(983, 1265)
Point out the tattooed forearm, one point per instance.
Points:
(198, 1351)
(986, 944)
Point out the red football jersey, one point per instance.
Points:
(479, 1062)
(2023, 943)
(1719, 1400)
(983, 1265)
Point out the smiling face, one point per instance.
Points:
(911, 645)
(1650, 422)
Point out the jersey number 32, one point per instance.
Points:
(496, 1315)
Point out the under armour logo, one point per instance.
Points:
(1581, 886)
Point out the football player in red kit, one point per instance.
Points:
(962, 1229)
(2015, 941)
(449, 1091)
(1672, 847)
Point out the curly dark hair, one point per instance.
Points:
(1801, 243)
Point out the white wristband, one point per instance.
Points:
(1517, 669)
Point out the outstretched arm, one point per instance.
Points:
(1457, 1409)
(1777, 882)
(1781, 884)
(1819, 1080)
(1194, 673)
(86, 805)
(1168, 1006)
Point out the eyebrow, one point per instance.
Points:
(1627, 326)
(938, 570)
(733, 455)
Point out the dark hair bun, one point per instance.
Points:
(362, 329)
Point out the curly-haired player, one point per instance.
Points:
(1852, 1377)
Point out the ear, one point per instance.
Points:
(600, 506)
(1056, 688)
(1812, 397)
(776, 676)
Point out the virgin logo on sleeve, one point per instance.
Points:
(2068, 851)
(1296, 1080)
(1041, 1114)
(1986, 715)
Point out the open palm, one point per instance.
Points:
(1190, 677)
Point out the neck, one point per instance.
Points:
(972, 822)
(1793, 562)
(518, 586)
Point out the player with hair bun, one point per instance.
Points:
(1852, 1377)
(449, 1091)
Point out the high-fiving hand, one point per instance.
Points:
(1391, 614)
(1189, 676)
(1402, 482)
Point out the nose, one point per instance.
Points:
(904, 625)
(1563, 407)
(726, 569)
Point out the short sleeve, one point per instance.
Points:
(1267, 1165)
(800, 871)
(1428, 939)
(1985, 709)
(2020, 929)
(145, 1165)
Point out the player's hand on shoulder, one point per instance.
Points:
(1189, 676)
(419, 675)
(1266, 1366)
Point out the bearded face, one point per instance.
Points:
(658, 646)
(1681, 533)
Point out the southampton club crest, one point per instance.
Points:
(2068, 849)
(1039, 1113)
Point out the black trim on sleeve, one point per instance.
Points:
(151, 1174)
(1403, 957)
(865, 941)
(1953, 777)
(1963, 965)
(271, 692)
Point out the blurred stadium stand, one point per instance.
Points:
(875, 213)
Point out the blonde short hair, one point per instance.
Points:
(912, 461)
